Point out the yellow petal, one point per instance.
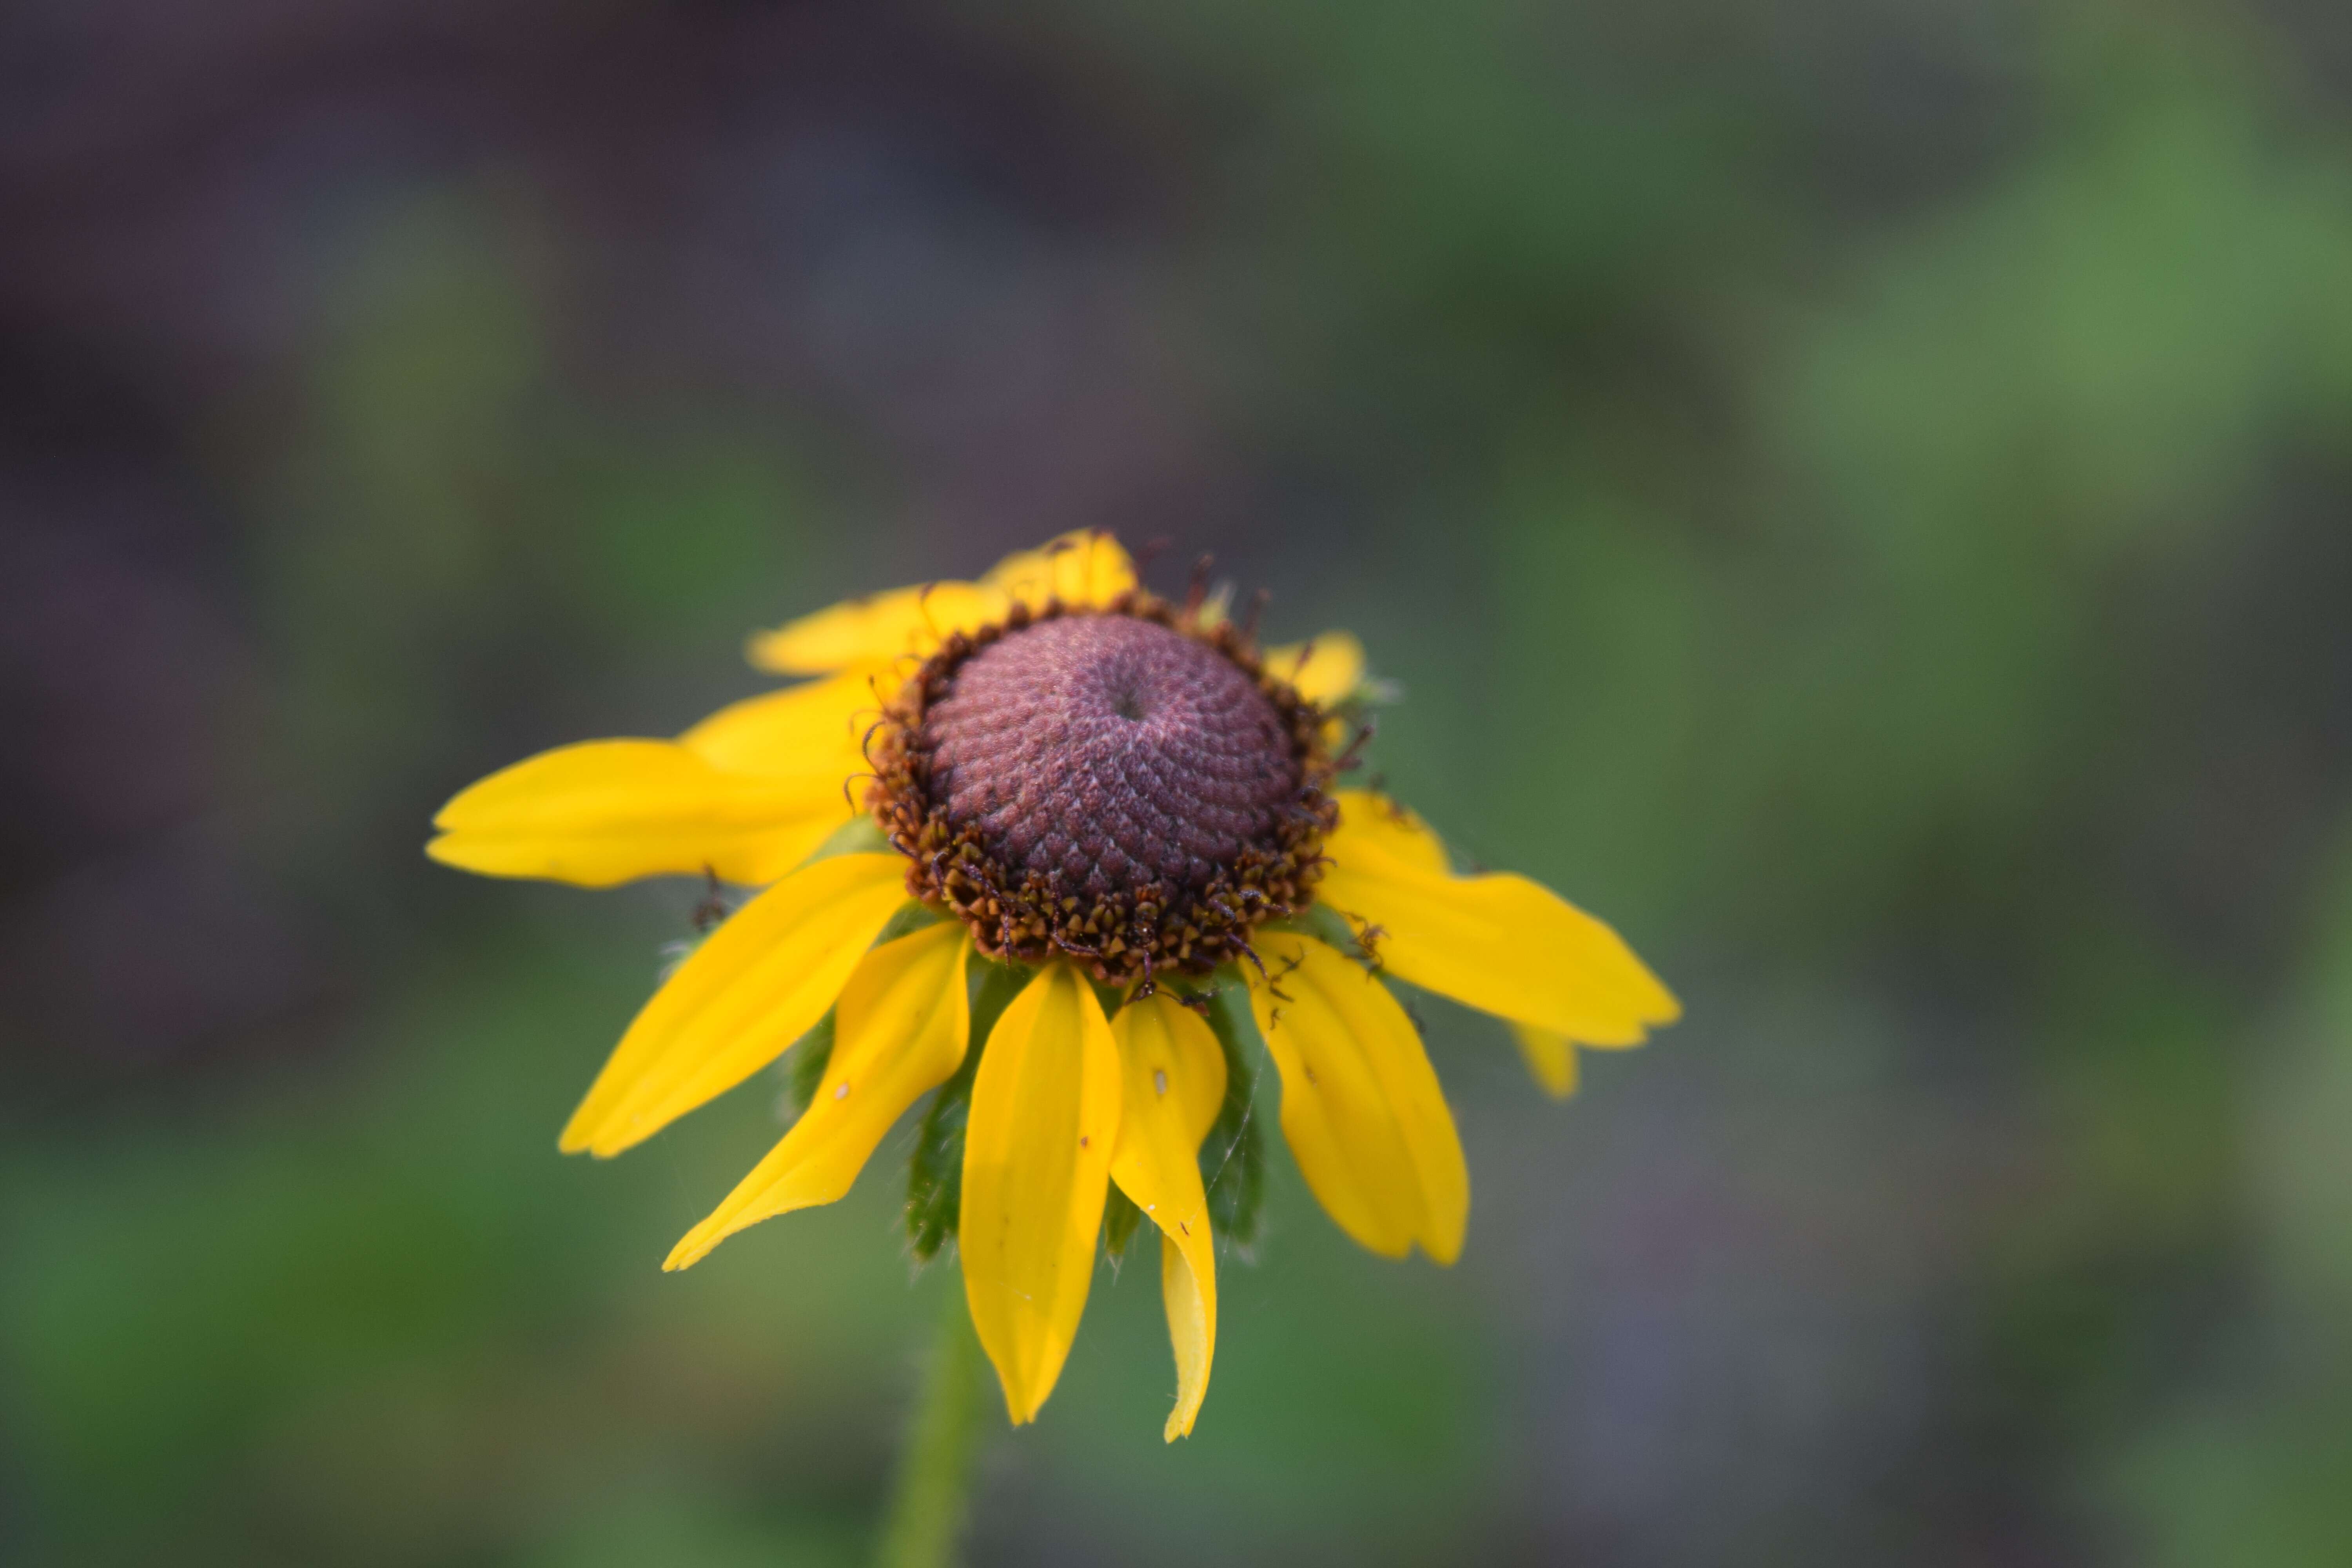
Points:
(1550, 1058)
(1037, 1150)
(1387, 825)
(757, 985)
(1500, 943)
(1327, 671)
(903, 623)
(1360, 1105)
(608, 811)
(817, 726)
(1188, 1289)
(1086, 567)
(899, 1031)
(1174, 1078)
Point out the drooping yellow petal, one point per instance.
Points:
(1360, 1105)
(1086, 567)
(1038, 1143)
(610, 811)
(1386, 824)
(1550, 1058)
(1166, 1048)
(898, 1033)
(1500, 943)
(1188, 1290)
(1174, 1077)
(903, 623)
(816, 727)
(1326, 670)
(757, 985)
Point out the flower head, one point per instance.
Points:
(1106, 846)
(1120, 786)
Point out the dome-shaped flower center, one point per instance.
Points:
(1108, 754)
(1119, 786)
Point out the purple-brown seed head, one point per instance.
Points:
(1103, 753)
(1120, 786)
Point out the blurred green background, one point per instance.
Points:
(1853, 491)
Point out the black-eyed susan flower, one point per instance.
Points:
(1028, 845)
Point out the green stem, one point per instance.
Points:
(934, 1480)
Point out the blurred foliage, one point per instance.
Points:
(1853, 494)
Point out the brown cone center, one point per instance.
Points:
(1108, 754)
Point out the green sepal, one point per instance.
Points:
(1328, 926)
(935, 1172)
(1120, 1216)
(812, 1054)
(911, 918)
(1232, 1156)
(1111, 998)
(859, 835)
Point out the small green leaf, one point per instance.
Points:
(1232, 1157)
(911, 918)
(1120, 1216)
(935, 1173)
